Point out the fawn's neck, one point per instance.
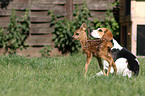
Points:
(83, 41)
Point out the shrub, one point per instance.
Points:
(2, 39)
(45, 52)
(14, 37)
(109, 22)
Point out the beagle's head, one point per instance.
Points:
(102, 33)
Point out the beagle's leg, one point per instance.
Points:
(89, 56)
(101, 65)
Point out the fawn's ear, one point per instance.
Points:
(84, 26)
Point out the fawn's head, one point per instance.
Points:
(80, 34)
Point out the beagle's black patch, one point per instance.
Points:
(133, 64)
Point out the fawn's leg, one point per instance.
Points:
(109, 59)
(101, 65)
(114, 67)
(113, 64)
(89, 56)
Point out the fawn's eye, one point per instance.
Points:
(77, 33)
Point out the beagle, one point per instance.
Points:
(126, 63)
(99, 48)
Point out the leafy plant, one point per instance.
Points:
(2, 39)
(25, 25)
(109, 22)
(16, 34)
(45, 52)
(64, 29)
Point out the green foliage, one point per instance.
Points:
(16, 34)
(2, 35)
(82, 15)
(64, 29)
(45, 52)
(25, 24)
(109, 22)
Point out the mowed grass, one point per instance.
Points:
(63, 76)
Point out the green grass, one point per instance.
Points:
(63, 76)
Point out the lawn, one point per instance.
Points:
(63, 76)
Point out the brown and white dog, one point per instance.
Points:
(99, 48)
(126, 63)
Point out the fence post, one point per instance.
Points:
(69, 9)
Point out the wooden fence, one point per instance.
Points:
(40, 32)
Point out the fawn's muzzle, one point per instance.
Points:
(73, 38)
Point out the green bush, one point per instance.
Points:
(15, 35)
(2, 39)
(45, 52)
(109, 22)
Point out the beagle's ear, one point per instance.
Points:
(108, 35)
(84, 26)
(105, 31)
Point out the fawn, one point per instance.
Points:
(100, 48)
